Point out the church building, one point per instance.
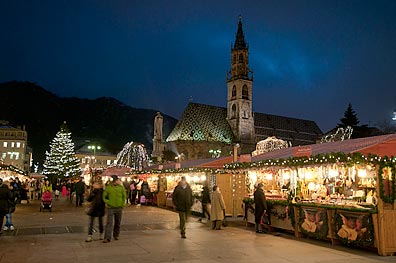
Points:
(206, 131)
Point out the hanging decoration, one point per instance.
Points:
(340, 135)
(270, 144)
(387, 180)
(133, 155)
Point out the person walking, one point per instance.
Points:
(260, 207)
(205, 202)
(217, 208)
(97, 209)
(80, 190)
(114, 197)
(182, 200)
(5, 197)
(11, 209)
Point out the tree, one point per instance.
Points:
(350, 118)
(61, 161)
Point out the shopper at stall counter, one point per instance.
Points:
(260, 207)
(182, 200)
(114, 197)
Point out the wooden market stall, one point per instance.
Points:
(339, 191)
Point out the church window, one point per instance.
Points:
(235, 59)
(240, 58)
(245, 92)
(233, 111)
(233, 91)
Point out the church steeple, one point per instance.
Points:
(239, 86)
(240, 37)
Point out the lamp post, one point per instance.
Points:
(94, 148)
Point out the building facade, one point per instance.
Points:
(13, 146)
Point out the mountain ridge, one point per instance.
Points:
(108, 120)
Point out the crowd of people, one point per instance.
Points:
(110, 198)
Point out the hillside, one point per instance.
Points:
(105, 120)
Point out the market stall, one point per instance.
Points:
(346, 197)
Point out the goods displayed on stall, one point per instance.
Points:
(196, 180)
(328, 196)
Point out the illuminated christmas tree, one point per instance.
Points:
(61, 160)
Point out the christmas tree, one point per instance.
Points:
(61, 161)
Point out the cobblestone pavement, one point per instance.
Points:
(150, 234)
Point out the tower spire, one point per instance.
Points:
(240, 37)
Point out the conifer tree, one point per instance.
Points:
(350, 118)
(61, 161)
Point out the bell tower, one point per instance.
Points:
(239, 95)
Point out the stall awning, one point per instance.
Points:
(378, 145)
(117, 170)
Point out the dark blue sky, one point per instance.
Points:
(310, 58)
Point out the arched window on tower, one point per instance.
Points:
(233, 94)
(245, 92)
(235, 59)
(233, 111)
(240, 58)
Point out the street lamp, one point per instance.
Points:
(94, 148)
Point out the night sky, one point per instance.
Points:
(310, 58)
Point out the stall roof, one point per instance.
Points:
(116, 170)
(202, 163)
(379, 145)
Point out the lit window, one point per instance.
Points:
(16, 155)
(5, 144)
(108, 162)
(18, 145)
(12, 144)
(3, 156)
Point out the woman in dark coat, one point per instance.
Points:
(260, 206)
(97, 209)
(5, 198)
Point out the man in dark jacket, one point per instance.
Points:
(260, 206)
(5, 198)
(205, 202)
(182, 200)
(80, 190)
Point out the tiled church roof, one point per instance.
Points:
(297, 131)
(202, 122)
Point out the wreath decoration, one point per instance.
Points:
(387, 175)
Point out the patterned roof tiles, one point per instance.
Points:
(202, 122)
